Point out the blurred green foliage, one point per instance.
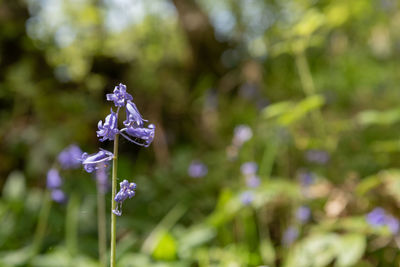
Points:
(305, 75)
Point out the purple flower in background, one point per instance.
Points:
(289, 236)
(110, 127)
(392, 223)
(58, 196)
(303, 214)
(133, 117)
(378, 217)
(91, 162)
(197, 169)
(119, 96)
(317, 156)
(306, 178)
(53, 179)
(253, 181)
(69, 157)
(241, 134)
(249, 168)
(126, 191)
(247, 197)
(102, 178)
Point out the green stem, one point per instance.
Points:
(113, 191)
(308, 86)
(101, 224)
(71, 227)
(42, 223)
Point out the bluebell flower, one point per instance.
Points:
(127, 190)
(133, 117)
(317, 156)
(247, 197)
(242, 133)
(69, 157)
(303, 214)
(58, 196)
(197, 169)
(119, 96)
(306, 178)
(249, 168)
(139, 135)
(253, 181)
(110, 127)
(289, 236)
(91, 162)
(53, 179)
(378, 217)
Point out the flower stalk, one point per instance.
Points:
(113, 203)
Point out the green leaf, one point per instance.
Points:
(14, 188)
(166, 248)
(350, 249)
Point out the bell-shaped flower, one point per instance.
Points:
(126, 191)
(109, 129)
(69, 157)
(133, 117)
(58, 196)
(139, 135)
(53, 179)
(97, 160)
(119, 95)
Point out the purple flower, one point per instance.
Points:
(242, 133)
(317, 156)
(133, 117)
(102, 178)
(110, 127)
(140, 136)
(392, 223)
(249, 168)
(53, 179)
(247, 197)
(303, 214)
(58, 196)
(197, 169)
(69, 157)
(379, 217)
(126, 191)
(306, 178)
(290, 235)
(91, 162)
(119, 96)
(253, 181)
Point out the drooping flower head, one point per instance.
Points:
(197, 169)
(253, 181)
(110, 127)
(303, 214)
(69, 157)
(247, 197)
(119, 96)
(249, 168)
(53, 179)
(58, 196)
(289, 236)
(379, 217)
(133, 117)
(127, 190)
(317, 156)
(91, 162)
(242, 133)
(140, 136)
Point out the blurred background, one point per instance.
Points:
(277, 128)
